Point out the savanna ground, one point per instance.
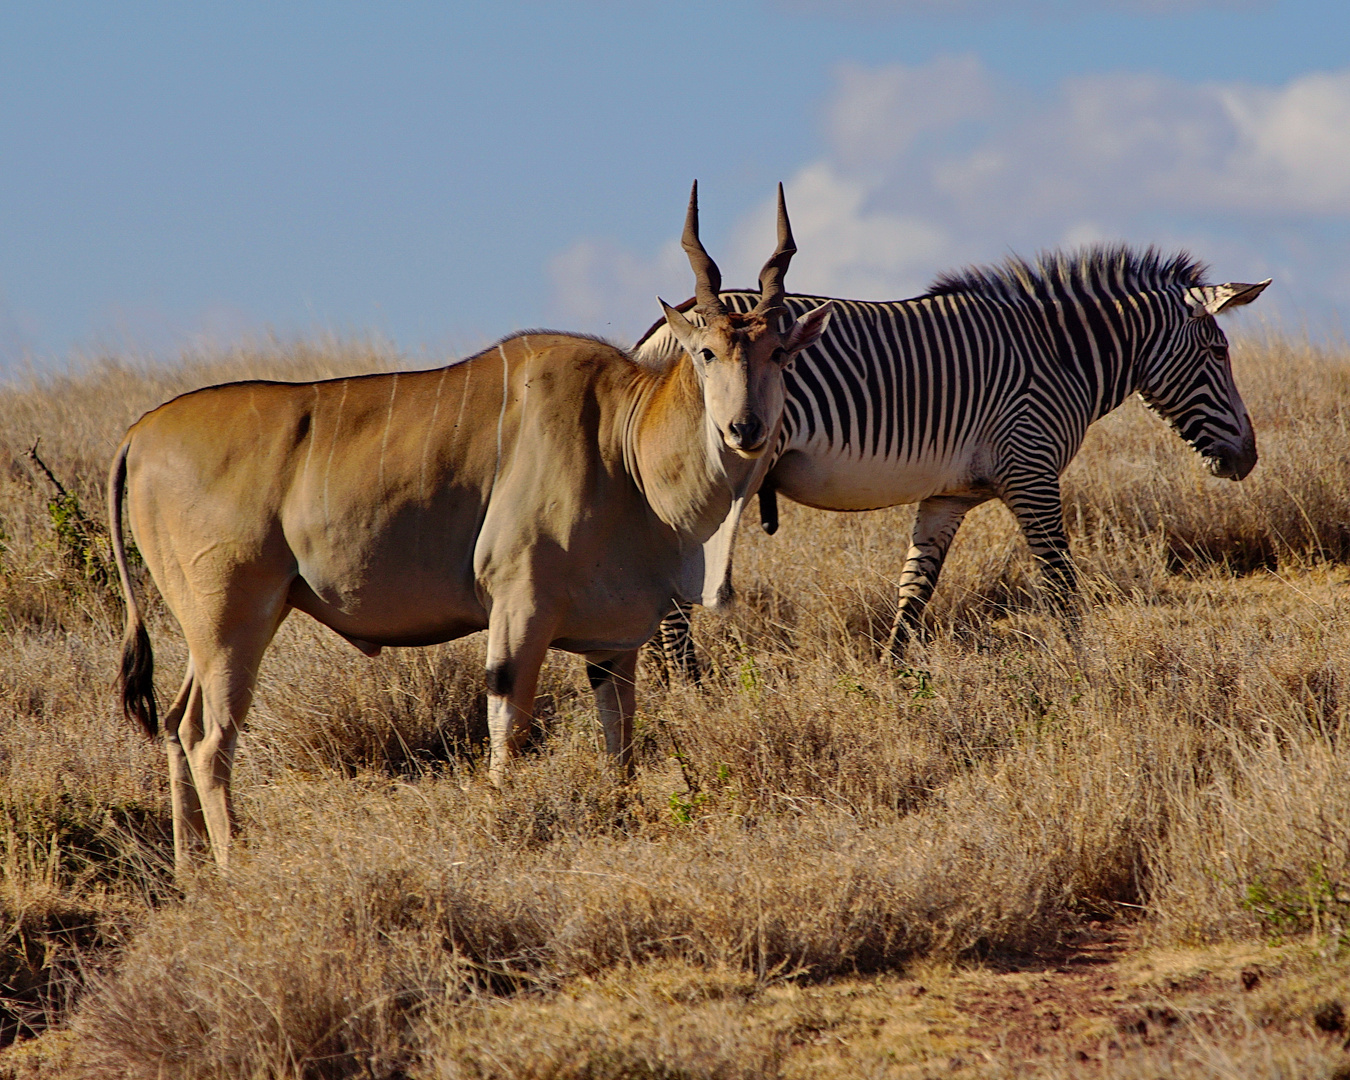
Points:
(1125, 854)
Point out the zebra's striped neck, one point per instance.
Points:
(1098, 355)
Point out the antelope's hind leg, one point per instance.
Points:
(615, 684)
(189, 826)
(224, 671)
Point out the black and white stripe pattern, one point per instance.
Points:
(984, 386)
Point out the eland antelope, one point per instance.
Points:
(983, 388)
(549, 490)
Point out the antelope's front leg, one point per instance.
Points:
(615, 684)
(516, 650)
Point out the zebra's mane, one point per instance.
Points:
(1114, 268)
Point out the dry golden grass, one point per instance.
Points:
(806, 842)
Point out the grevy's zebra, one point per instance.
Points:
(983, 388)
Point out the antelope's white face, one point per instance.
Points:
(740, 360)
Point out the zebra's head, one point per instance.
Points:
(1189, 382)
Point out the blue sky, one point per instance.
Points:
(441, 174)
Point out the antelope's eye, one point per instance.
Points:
(779, 355)
(707, 356)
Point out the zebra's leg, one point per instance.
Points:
(677, 645)
(1039, 510)
(934, 527)
(657, 662)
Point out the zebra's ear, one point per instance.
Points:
(807, 329)
(1213, 299)
(686, 333)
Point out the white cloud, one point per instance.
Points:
(932, 166)
(1294, 143)
(604, 288)
(845, 247)
(864, 124)
(1137, 142)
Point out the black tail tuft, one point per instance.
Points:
(138, 678)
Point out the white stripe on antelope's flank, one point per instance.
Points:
(540, 531)
(463, 398)
(310, 436)
(332, 450)
(501, 414)
(388, 421)
(984, 387)
(525, 383)
(429, 436)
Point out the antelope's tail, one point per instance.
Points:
(137, 677)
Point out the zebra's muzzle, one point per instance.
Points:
(1232, 463)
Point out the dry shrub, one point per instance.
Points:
(71, 782)
(83, 826)
(321, 705)
(665, 1020)
(325, 707)
(388, 906)
(1263, 847)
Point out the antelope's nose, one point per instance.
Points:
(745, 436)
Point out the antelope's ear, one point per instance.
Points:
(807, 329)
(686, 333)
(1214, 299)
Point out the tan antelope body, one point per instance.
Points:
(548, 490)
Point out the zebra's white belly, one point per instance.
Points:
(835, 481)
